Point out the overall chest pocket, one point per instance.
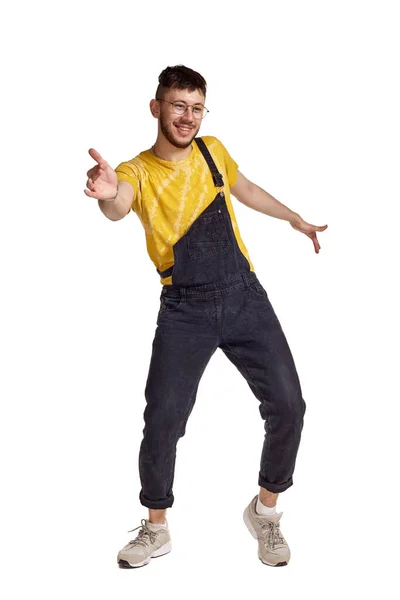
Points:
(208, 236)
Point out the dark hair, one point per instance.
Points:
(181, 78)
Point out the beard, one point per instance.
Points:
(168, 134)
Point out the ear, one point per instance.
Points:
(155, 108)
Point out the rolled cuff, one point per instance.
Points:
(275, 488)
(160, 504)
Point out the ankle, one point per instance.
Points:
(158, 522)
(262, 509)
(157, 517)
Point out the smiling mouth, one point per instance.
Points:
(183, 128)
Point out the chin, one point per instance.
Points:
(183, 143)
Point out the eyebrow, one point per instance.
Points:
(184, 102)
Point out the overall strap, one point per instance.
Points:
(217, 177)
(166, 273)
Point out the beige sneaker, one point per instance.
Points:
(151, 541)
(272, 547)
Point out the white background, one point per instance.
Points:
(305, 97)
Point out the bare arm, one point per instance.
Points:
(120, 206)
(254, 197)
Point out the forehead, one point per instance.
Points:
(195, 97)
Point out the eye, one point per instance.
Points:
(179, 106)
(198, 110)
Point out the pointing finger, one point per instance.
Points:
(97, 157)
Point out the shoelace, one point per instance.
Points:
(144, 536)
(273, 534)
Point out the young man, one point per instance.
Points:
(211, 298)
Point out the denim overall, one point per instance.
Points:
(215, 301)
(209, 251)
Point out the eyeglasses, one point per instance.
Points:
(198, 110)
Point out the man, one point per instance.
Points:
(211, 298)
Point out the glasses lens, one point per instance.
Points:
(179, 108)
(198, 112)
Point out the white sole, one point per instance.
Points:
(165, 549)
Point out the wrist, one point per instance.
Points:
(295, 219)
(113, 198)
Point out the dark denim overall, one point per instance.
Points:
(215, 301)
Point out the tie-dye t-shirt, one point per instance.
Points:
(170, 196)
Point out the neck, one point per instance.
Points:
(163, 149)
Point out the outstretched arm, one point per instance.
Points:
(251, 195)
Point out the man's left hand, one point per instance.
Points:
(310, 230)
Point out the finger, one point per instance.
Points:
(91, 194)
(92, 171)
(93, 177)
(314, 240)
(90, 181)
(97, 157)
(90, 184)
(315, 228)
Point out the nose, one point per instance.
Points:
(191, 109)
(187, 115)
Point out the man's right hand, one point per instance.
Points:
(102, 180)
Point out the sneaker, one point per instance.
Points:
(272, 547)
(151, 541)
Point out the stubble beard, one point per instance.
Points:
(169, 136)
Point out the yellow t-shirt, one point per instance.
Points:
(170, 196)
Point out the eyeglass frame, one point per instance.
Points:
(187, 106)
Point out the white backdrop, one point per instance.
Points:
(305, 97)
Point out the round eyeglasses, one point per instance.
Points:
(198, 110)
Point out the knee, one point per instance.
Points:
(287, 406)
(291, 410)
(289, 397)
(294, 407)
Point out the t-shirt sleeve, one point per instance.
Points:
(127, 172)
(230, 165)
